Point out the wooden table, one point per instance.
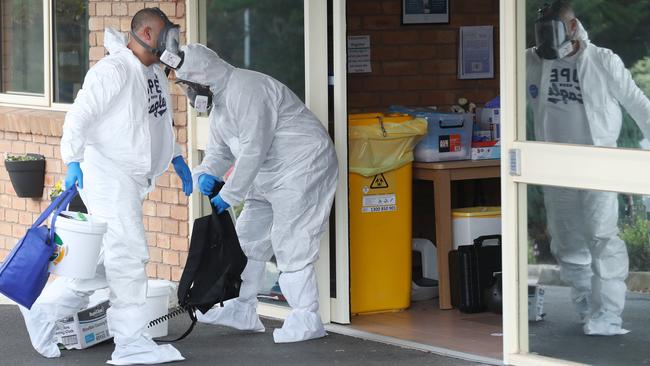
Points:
(442, 174)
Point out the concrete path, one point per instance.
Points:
(560, 334)
(210, 345)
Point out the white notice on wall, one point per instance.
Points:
(359, 54)
(476, 53)
(358, 41)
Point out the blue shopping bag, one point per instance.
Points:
(24, 273)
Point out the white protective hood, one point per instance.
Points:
(205, 67)
(115, 41)
(581, 33)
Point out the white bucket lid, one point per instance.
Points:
(158, 288)
(94, 225)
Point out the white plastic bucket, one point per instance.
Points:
(78, 244)
(471, 222)
(157, 306)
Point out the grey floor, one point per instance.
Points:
(560, 335)
(210, 345)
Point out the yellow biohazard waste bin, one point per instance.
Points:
(380, 184)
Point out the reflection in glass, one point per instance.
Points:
(265, 36)
(21, 30)
(578, 91)
(70, 48)
(581, 244)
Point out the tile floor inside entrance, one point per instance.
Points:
(479, 334)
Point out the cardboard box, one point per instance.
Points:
(481, 136)
(487, 116)
(486, 150)
(495, 115)
(489, 119)
(84, 329)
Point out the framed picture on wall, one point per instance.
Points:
(425, 11)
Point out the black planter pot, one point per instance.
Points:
(27, 177)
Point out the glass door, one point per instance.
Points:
(576, 120)
(286, 39)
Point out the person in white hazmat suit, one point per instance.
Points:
(117, 139)
(285, 171)
(576, 91)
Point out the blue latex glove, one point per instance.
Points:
(74, 175)
(219, 204)
(184, 173)
(207, 183)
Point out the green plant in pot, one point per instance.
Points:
(27, 174)
(76, 204)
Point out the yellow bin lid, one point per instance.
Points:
(483, 212)
(368, 119)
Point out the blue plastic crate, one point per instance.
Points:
(449, 135)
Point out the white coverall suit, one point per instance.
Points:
(285, 171)
(584, 224)
(107, 130)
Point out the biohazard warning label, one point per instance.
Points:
(379, 203)
(379, 182)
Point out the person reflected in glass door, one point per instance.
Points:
(576, 90)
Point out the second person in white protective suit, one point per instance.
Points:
(576, 91)
(285, 171)
(117, 139)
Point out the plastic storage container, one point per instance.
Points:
(449, 135)
(424, 284)
(381, 211)
(471, 222)
(157, 305)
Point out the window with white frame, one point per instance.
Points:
(265, 36)
(44, 50)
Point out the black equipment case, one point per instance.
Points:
(471, 271)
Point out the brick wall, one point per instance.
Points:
(26, 130)
(416, 64)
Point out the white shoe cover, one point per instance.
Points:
(235, 314)
(58, 300)
(240, 313)
(604, 324)
(300, 326)
(144, 352)
(41, 332)
(303, 323)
